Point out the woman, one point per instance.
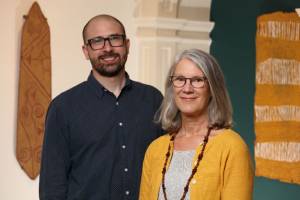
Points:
(200, 158)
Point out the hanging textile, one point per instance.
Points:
(277, 97)
(34, 90)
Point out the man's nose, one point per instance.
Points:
(107, 46)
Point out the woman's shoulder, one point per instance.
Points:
(162, 140)
(230, 138)
(159, 143)
(229, 134)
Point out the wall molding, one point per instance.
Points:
(174, 24)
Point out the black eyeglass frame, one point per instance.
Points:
(109, 38)
(192, 79)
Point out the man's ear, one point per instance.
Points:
(127, 45)
(85, 52)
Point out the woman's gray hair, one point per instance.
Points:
(219, 108)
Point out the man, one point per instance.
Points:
(96, 133)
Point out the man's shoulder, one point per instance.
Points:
(144, 85)
(146, 88)
(70, 94)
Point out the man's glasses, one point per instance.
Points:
(180, 81)
(97, 43)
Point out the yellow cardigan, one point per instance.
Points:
(224, 173)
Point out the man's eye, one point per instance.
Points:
(115, 37)
(97, 40)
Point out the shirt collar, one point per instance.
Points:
(100, 89)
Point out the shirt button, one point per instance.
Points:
(117, 103)
(126, 169)
(123, 146)
(194, 181)
(127, 192)
(120, 124)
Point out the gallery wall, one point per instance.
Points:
(66, 19)
(233, 44)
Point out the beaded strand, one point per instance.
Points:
(200, 156)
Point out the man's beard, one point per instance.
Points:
(107, 70)
(102, 70)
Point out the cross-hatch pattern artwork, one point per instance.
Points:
(34, 90)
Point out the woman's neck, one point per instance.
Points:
(193, 126)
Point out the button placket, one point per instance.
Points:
(122, 126)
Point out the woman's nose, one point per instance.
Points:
(188, 86)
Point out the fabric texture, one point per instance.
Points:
(224, 173)
(95, 143)
(177, 175)
(277, 97)
(34, 90)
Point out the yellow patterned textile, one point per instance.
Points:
(277, 97)
(34, 90)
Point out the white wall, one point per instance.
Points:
(66, 19)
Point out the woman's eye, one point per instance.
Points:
(180, 79)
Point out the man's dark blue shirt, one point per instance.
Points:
(94, 142)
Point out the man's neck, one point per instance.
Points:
(113, 84)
